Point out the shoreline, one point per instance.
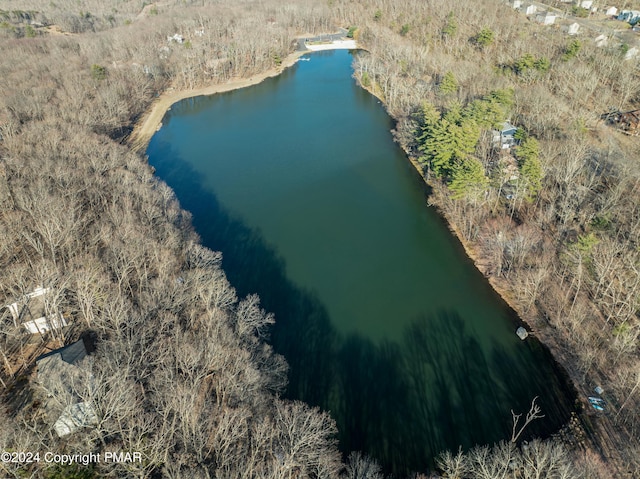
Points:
(594, 429)
(151, 120)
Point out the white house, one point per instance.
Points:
(587, 4)
(74, 417)
(546, 18)
(631, 53)
(611, 11)
(175, 38)
(601, 41)
(529, 9)
(573, 28)
(516, 4)
(35, 314)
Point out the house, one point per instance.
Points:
(586, 4)
(175, 38)
(601, 41)
(60, 373)
(529, 9)
(573, 28)
(505, 138)
(35, 313)
(75, 417)
(546, 18)
(516, 4)
(611, 11)
(630, 16)
(631, 53)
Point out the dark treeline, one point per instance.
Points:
(181, 371)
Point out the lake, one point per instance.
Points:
(382, 318)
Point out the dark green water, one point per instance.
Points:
(383, 319)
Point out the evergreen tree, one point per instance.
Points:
(572, 50)
(448, 84)
(503, 96)
(468, 179)
(449, 142)
(529, 164)
(451, 27)
(484, 37)
(486, 113)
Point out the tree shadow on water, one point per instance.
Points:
(535, 374)
(400, 402)
(404, 403)
(303, 333)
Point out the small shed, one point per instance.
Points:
(35, 313)
(611, 11)
(546, 18)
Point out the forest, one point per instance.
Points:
(180, 368)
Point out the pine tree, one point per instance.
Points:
(530, 168)
(468, 179)
(484, 37)
(448, 84)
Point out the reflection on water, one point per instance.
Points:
(435, 364)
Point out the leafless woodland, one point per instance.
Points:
(182, 371)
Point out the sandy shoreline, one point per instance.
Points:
(151, 120)
(149, 123)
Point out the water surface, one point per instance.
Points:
(382, 318)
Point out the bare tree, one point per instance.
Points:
(533, 414)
